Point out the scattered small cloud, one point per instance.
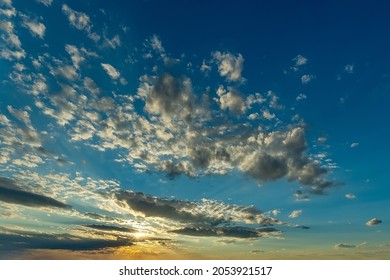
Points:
(47, 3)
(295, 214)
(299, 61)
(229, 65)
(354, 145)
(111, 71)
(301, 96)
(350, 196)
(374, 222)
(349, 68)
(78, 20)
(305, 79)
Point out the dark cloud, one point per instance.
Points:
(206, 213)
(164, 208)
(374, 222)
(110, 228)
(302, 227)
(169, 97)
(344, 246)
(237, 232)
(10, 192)
(21, 240)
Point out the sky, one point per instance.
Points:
(194, 130)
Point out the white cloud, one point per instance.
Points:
(232, 101)
(349, 68)
(267, 115)
(6, 2)
(350, 196)
(301, 96)
(91, 86)
(47, 3)
(374, 222)
(307, 78)
(299, 60)
(13, 48)
(11, 12)
(79, 20)
(36, 28)
(156, 44)
(112, 43)
(295, 214)
(354, 145)
(111, 71)
(204, 67)
(229, 66)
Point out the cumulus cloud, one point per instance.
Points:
(295, 214)
(229, 65)
(231, 101)
(47, 3)
(78, 20)
(11, 49)
(301, 96)
(10, 192)
(36, 28)
(350, 196)
(111, 71)
(168, 96)
(374, 222)
(299, 60)
(305, 79)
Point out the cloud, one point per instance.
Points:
(77, 55)
(305, 79)
(169, 97)
(11, 49)
(78, 20)
(11, 12)
(111, 71)
(47, 3)
(299, 60)
(354, 145)
(155, 43)
(350, 196)
(237, 232)
(344, 246)
(374, 222)
(110, 228)
(231, 101)
(295, 214)
(91, 86)
(301, 96)
(349, 68)
(36, 28)
(208, 212)
(21, 240)
(112, 43)
(10, 192)
(229, 65)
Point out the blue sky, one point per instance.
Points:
(155, 130)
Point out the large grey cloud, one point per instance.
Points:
(237, 232)
(10, 192)
(206, 212)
